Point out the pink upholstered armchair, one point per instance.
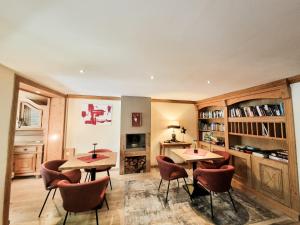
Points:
(215, 180)
(102, 169)
(170, 171)
(51, 176)
(216, 164)
(83, 197)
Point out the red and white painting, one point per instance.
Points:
(97, 114)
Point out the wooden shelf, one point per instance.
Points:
(207, 144)
(257, 136)
(213, 119)
(262, 119)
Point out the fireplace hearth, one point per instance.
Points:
(135, 164)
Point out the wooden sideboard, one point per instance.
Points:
(27, 159)
(165, 145)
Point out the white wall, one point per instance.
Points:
(161, 114)
(6, 93)
(81, 136)
(296, 108)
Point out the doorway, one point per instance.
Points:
(38, 136)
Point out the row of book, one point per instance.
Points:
(277, 154)
(212, 114)
(212, 127)
(258, 110)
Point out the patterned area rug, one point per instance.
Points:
(145, 205)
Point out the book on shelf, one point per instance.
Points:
(204, 126)
(278, 158)
(212, 114)
(258, 110)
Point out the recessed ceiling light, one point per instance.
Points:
(82, 71)
(152, 77)
(208, 82)
(38, 92)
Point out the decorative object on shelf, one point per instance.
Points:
(173, 125)
(96, 114)
(136, 119)
(94, 155)
(183, 131)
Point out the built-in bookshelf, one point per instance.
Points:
(256, 128)
(211, 128)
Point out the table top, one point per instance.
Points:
(174, 143)
(205, 155)
(75, 163)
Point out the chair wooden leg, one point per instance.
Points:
(168, 191)
(109, 179)
(211, 205)
(54, 193)
(235, 209)
(66, 217)
(45, 202)
(160, 184)
(86, 176)
(97, 217)
(90, 177)
(106, 202)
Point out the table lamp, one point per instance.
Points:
(173, 125)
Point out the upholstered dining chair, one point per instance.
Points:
(216, 164)
(216, 180)
(102, 169)
(170, 171)
(83, 197)
(51, 176)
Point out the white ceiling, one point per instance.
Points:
(183, 43)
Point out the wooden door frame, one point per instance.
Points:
(7, 185)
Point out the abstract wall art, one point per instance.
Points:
(94, 114)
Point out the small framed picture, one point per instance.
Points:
(136, 119)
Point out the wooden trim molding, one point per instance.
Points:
(272, 86)
(294, 79)
(173, 101)
(39, 86)
(114, 98)
(7, 185)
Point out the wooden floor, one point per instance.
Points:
(28, 195)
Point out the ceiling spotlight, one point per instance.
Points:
(208, 82)
(82, 71)
(152, 77)
(38, 92)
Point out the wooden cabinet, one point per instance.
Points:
(271, 178)
(27, 160)
(245, 124)
(242, 163)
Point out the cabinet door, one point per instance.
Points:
(242, 163)
(24, 163)
(271, 178)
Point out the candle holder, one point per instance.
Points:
(94, 155)
(195, 148)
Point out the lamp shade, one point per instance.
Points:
(173, 124)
